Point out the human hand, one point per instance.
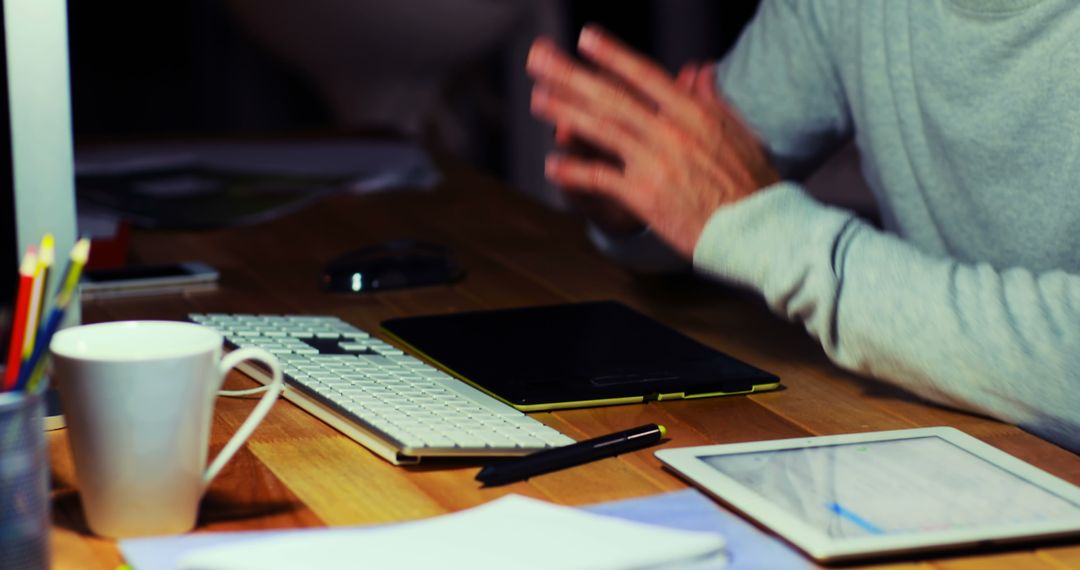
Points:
(679, 151)
(602, 211)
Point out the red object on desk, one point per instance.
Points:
(110, 252)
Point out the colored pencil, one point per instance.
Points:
(33, 368)
(18, 323)
(37, 295)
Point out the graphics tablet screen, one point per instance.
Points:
(574, 355)
(892, 487)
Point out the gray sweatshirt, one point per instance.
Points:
(966, 114)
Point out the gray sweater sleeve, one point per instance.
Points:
(1003, 343)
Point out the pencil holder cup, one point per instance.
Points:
(24, 481)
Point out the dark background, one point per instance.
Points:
(183, 67)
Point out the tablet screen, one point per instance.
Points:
(892, 487)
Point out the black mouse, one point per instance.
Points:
(397, 264)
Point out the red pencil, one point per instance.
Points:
(18, 323)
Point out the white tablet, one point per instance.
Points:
(886, 493)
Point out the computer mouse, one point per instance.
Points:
(397, 264)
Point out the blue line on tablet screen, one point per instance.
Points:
(861, 522)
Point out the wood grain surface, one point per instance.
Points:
(297, 472)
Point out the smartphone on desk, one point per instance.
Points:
(147, 279)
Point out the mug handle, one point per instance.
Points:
(274, 388)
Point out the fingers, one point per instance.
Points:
(704, 84)
(563, 135)
(590, 176)
(687, 77)
(600, 130)
(641, 74)
(549, 66)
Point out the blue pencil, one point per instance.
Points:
(33, 368)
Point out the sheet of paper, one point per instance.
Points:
(747, 547)
(511, 532)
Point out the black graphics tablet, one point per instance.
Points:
(576, 355)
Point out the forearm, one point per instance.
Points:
(1004, 343)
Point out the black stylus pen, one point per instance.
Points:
(550, 460)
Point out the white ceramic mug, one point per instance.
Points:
(139, 399)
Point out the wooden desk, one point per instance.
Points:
(295, 471)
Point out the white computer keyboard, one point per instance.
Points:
(395, 404)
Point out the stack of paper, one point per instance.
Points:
(512, 532)
(747, 547)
